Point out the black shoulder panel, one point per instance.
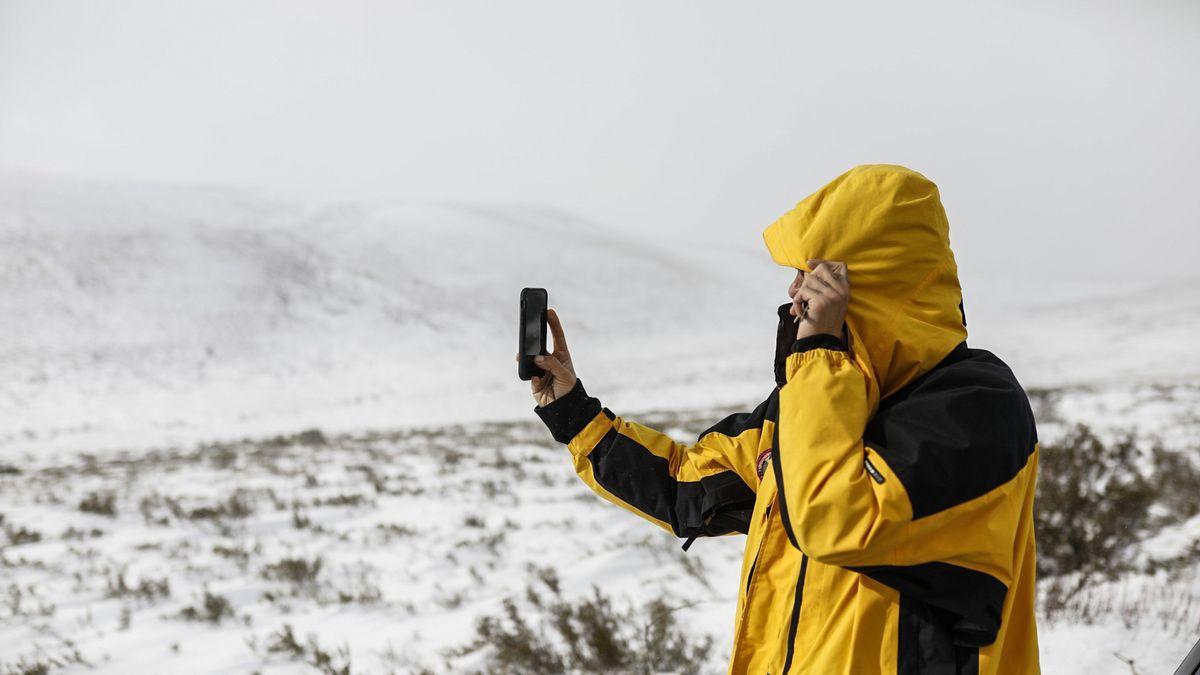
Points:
(733, 425)
(956, 432)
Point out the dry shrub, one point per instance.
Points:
(212, 609)
(1095, 502)
(148, 588)
(100, 503)
(300, 571)
(587, 635)
(284, 641)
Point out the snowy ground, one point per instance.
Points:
(160, 510)
(390, 545)
(415, 533)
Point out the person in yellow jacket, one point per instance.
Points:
(886, 484)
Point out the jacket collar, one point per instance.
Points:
(785, 335)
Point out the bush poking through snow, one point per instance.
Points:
(45, 659)
(284, 641)
(299, 571)
(1094, 502)
(311, 437)
(239, 504)
(27, 602)
(213, 609)
(146, 589)
(100, 503)
(18, 535)
(1177, 482)
(587, 636)
(1091, 507)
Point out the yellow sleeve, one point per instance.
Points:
(706, 488)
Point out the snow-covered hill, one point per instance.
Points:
(151, 314)
(141, 314)
(149, 318)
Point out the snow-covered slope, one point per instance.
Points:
(1124, 327)
(142, 314)
(146, 317)
(149, 314)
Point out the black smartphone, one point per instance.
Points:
(532, 332)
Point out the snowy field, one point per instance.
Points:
(240, 434)
(380, 550)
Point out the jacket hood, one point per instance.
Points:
(886, 222)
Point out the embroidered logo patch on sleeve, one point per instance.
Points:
(763, 458)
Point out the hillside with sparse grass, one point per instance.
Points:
(239, 434)
(475, 548)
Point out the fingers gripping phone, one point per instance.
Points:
(532, 331)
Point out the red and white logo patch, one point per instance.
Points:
(763, 458)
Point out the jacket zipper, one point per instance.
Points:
(787, 663)
(758, 552)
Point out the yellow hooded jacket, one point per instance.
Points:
(885, 485)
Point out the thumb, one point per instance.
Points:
(552, 364)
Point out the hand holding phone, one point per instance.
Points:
(554, 375)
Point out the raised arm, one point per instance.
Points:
(706, 488)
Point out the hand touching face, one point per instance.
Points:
(820, 298)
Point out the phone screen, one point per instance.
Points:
(533, 314)
(531, 332)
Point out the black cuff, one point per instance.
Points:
(567, 415)
(818, 341)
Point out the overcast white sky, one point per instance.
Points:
(1061, 133)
